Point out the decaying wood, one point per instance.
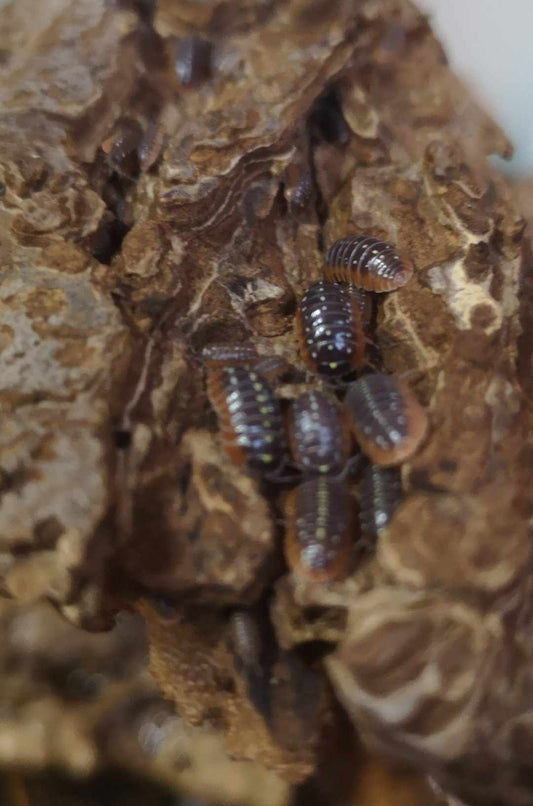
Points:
(144, 218)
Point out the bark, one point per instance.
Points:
(301, 122)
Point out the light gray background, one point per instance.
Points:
(490, 44)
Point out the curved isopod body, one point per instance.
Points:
(380, 490)
(319, 436)
(367, 263)
(387, 420)
(329, 330)
(249, 416)
(319, 538)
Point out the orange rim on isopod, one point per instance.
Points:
(367, 263)
(387, 420)
(320, 531)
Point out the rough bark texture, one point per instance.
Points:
(315, 120)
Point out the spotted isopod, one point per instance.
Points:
(367, 263)
(319, 435)
(320, 530)
(380, 491)
(387, 420)
(249, 415)
(329, 330)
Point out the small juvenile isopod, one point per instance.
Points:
(367, 263)
(271, 367)
(319, 538)
(319, 435)
(230, 355)
(380, 490)
(152, 143)
(245, 641)
(249, 416)
(192, 60)
(122, 147)
(329, 330)
(387, 420)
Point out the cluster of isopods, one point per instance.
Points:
(315, 439)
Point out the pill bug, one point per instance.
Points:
(329, 330)
(319, 537)
(230, 355)
(319, 436)
(121, 148)
(245, 641)
(192, 60)
(152, 143)
(367, 263)
(380, 490)
(300, 195)
(387, 420)
(249, 416)
(271, 367)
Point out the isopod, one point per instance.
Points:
(320, 526)
(329, 330)
(271, 367)
(230, 355)
(192, 61)
(319, 435)
(122, 147)
(249, 415)
(380, 490)
(152, 143)
(367, 263)
(387, 420)
(245, 640)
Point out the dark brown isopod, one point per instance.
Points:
(245, 640)
(230, 355)
(271, 367)
(380, 490)
(152, 144)
(320, 530)
(249, 415)
(301, 193)
(192, 61)
(122, 147)
(319, 435)
(387, 420)
(329, 330)
(367, 263)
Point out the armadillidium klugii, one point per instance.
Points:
(249, 416)
(230, 355)
(367, 263)
(329, 329)
(320, 530)
(192, 61)
(319, 435)
(380, 490)
(245, 640)
(387, 420)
